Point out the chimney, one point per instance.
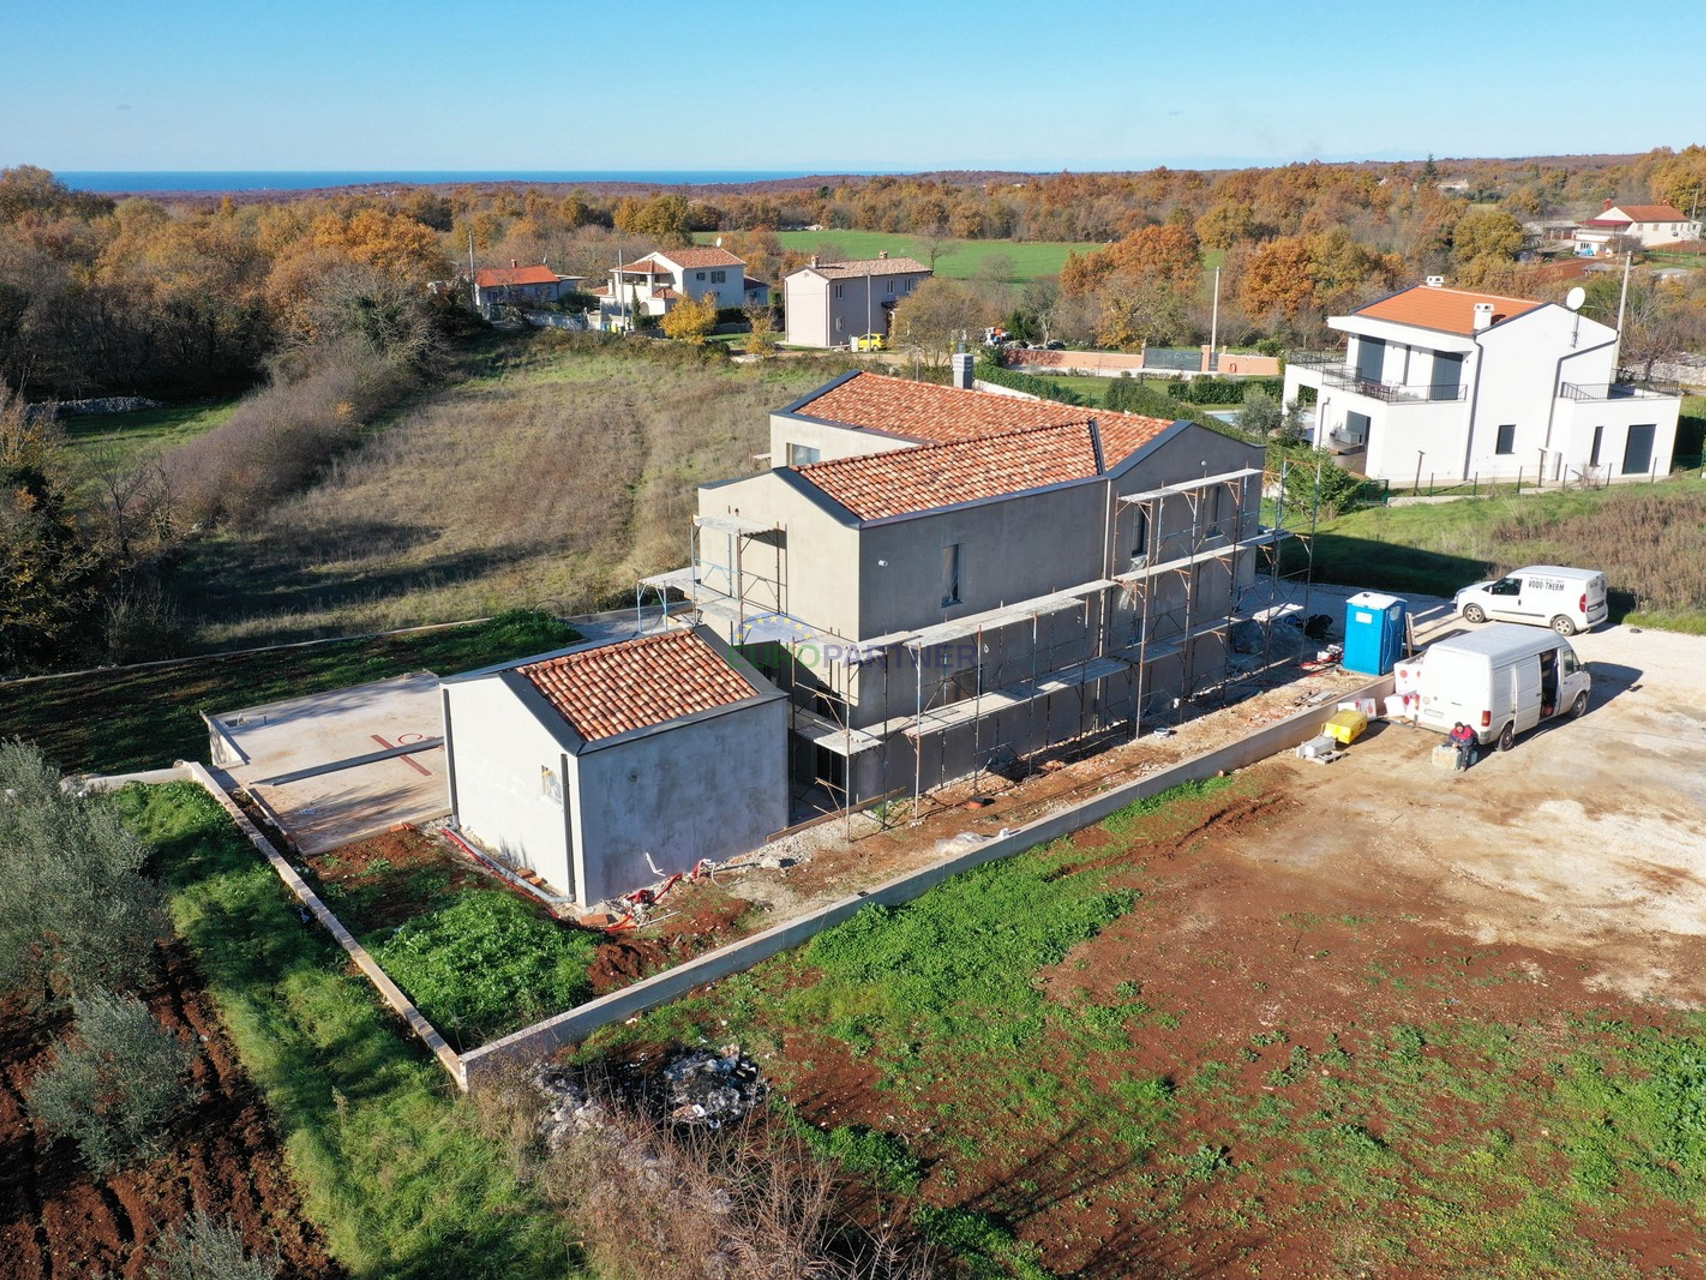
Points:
(1483, 316)
(1436, 282)
(882, 253)
(814, 259)
(963, 362)
(513, 264)
(1606, 207)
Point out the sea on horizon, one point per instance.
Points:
(118, 180)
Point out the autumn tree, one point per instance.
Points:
(1680, 179)
(691, 319)
(1277, 279)
(939, 314)
(1484, 238)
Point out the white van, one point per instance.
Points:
(1545, 595)
(1501, 681)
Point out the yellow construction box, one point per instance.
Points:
(1346, 727)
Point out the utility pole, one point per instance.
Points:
(1214, 320)
(1622, 301)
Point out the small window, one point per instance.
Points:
(802, 455)
(840, 292)
(950, 575)
(1140, 536)
(717, 277)
(838, 321)
(699, 275)
(1598, 439)
(1506, 441)
(888, 287)
(1506, 587)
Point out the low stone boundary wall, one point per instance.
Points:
(491, 1062)
(392, 993)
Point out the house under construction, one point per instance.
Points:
(947, 581)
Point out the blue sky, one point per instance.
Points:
(756, 84)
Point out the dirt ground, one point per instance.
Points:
(57, 1220)
(1315, 907)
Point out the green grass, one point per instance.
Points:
(487, 964)
(130, 436)
(959, 260)
(391, 1166)
(144, 718)
(1640, 535)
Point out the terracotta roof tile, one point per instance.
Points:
(636, 683)
(1639, 213)
(690, 259)
(1445, 310)
(941, 415)
(496, 277)
(876, 485)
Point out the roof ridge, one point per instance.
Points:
(962, 442)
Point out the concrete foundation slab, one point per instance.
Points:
(339, 766)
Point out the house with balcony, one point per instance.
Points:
(831, 303)
(1454, 386)
(1648, 225)
(650, 286)
(947, 582)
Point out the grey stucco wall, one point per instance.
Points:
(707, 788)
(499, 753)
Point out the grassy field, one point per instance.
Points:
(555, 480)
(130, 436)
(394, 1169)
(1645, 538)
(123, 719)
(958, 260)
(988, 1053)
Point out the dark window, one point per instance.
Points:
(1638, 450)
(1506, 587)
(1371, 358)
(950, 575)
(1140, 535)
(1506, 442)
(1598, 439)
(1448, 376)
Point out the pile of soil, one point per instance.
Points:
(57, 1219)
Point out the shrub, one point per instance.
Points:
(116, 1085)
(1222, 390)
(75, 909)
(487, 964)
(202, 1248)
(1029, 383)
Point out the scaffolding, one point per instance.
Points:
(996, 688)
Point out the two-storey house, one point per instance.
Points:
(649, 286)
(1645, 224)
(831, 303)
(947, 581)
(1454, 386)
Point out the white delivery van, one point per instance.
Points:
(1546, 595)
(1501, 681)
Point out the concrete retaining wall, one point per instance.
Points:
(392, 993)
(491, 1061)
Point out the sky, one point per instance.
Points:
(859, 86)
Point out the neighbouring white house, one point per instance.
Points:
(604, 766)
(831, 303)
(521, 285)
(1453, 385)
(1646, 224)
(651, 285)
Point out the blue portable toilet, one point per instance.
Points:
(1374, 632)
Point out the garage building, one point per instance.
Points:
(602, 766)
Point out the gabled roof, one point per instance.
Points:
(634, 684)
(868, 267)
(876, 485)
(1627, 213)
(928, 413)
(694, 259)
(1443, 310)
(497, 277)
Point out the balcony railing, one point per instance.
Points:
(1619, 391)
(1392, 392)
(1315, 359)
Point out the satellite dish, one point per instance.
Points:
(1575, 297)
(720, 245)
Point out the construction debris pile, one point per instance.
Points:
(693, 1088)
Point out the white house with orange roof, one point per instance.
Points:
(1648, 225)
(1453, 386)
(649, 286)
(947, 581)
(828, 304)
(521, 285)
(606, 766)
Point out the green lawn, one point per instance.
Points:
(144, 718)
(130, 435)
(959, 259)
(979, 1054)
(394, 1168)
